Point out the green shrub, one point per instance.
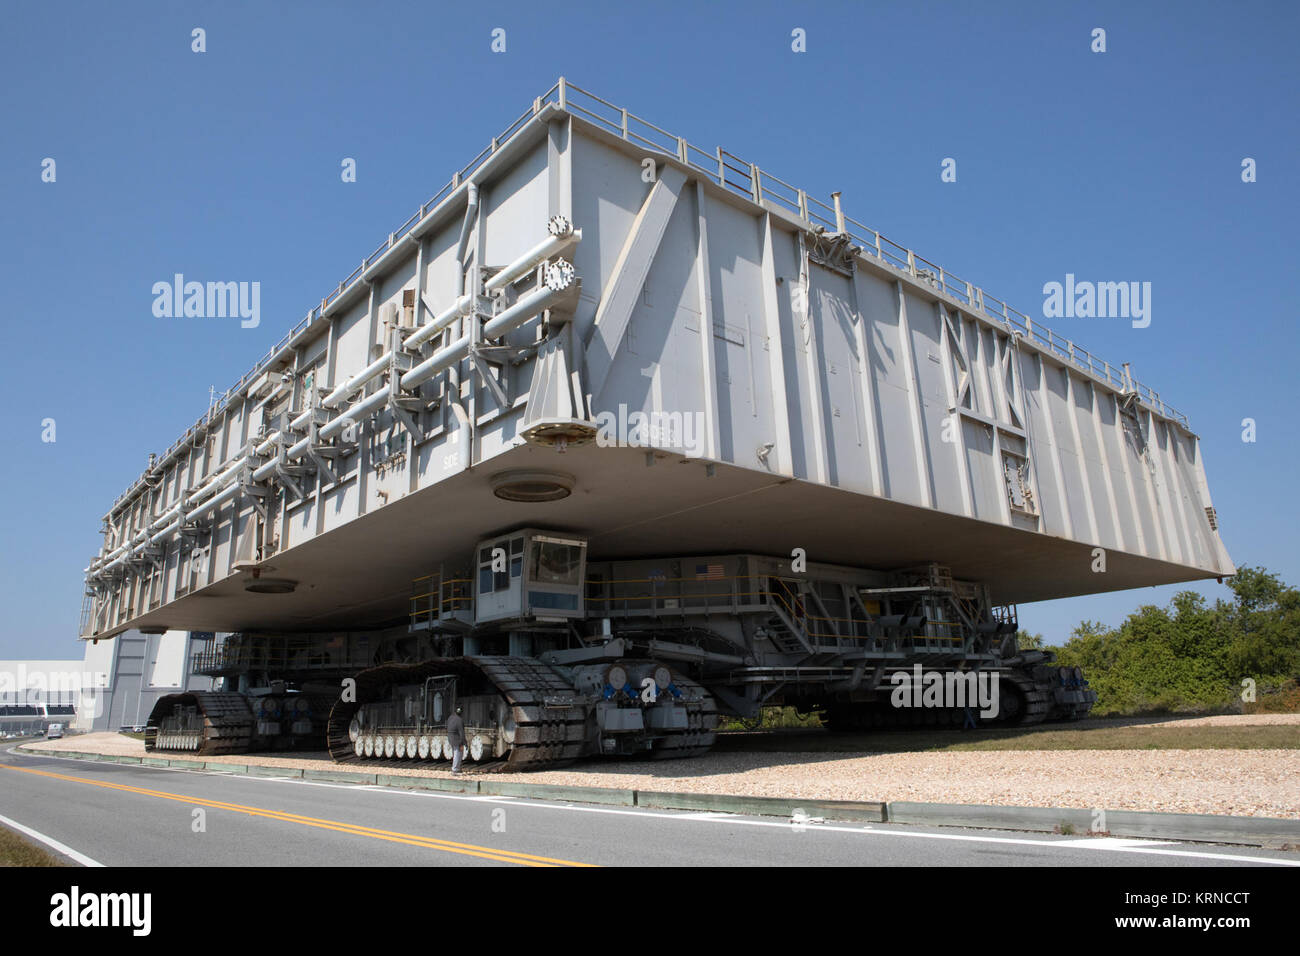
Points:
(1190, 656)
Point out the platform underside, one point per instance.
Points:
(359, 575)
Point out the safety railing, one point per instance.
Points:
(436, 599)
(843, 629)
(723, 593)
(242, 657)
(735, 174)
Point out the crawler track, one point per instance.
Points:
(550, 724)
(702, 718)
(222, 724)
(1036, 693)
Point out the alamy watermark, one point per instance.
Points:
(125, 910)
(24, 686)
(946, 689)
(208, 300)
(678, 431)
(1102, 300)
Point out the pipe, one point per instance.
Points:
(558, 280)
(265, 471)
(441, 359)
(355, 413)
(217, 502)
(548, 247)
(559, 277)
(204, 490)
(215, 482)
(462, 306)
(471, 207)
(356, 381)
(472, 202)
(146, 539)
(164, 532)
(465, 441)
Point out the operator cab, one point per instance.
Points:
(530, 574)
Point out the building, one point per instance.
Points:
(136, 670)
(35, 694)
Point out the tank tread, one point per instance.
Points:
(551, 726)
(227, 724)
(550, 721)
(702, 722)
(1035, 694)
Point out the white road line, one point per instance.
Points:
(1116, 842)
(1105, 844)
(52, 843)
(1112, 844)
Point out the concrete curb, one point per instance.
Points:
(1192, 827)
(1270, 832)
(1273, 832)
(426, 783)
(549, 791)
(855, 811)
(339, 776)
(262, 770)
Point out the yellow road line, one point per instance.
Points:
(411, 839)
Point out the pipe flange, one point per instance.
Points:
(559, 226)
(560, 275)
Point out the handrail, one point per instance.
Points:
(768, 597)
(755, 187)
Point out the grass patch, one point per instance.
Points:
(15, 850)
(1260, 737)
(773, 718)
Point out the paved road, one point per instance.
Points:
(116, 815)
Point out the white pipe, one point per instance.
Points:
(267, 443)
(443, 358)
(265, 471)
(356, 381)
(355, 413)
(164, 532)
(559, 277)
(216, 502)
(471, 207)
(146, 540)
(116, 553)
(212, 484)
(521, 311)
(462, 306)
(148, 533)
(531, 259)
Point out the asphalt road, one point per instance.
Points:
(123, 815)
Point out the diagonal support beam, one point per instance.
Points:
(629, 275)
(489, 380)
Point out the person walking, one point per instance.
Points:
(456, 739)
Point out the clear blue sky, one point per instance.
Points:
(1117, 166)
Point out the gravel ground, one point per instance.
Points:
(1235, 782)
(1225, 720)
